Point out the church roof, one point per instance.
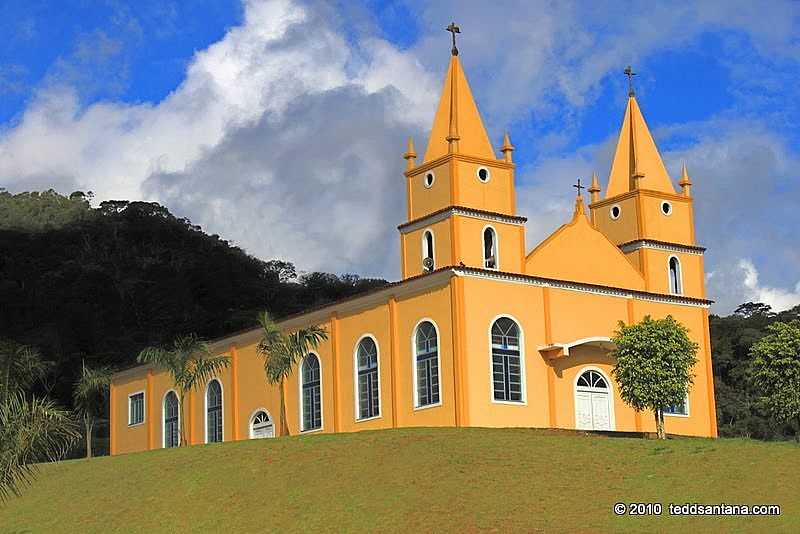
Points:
(578, 252)
(457, 121)
(637, 163)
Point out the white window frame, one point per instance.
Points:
(164, 417)
(222, 408)
(661, 208)
(679, 274)
(684, 415)
(425, 179)
(414, 364)
(433, 249)
(611, 212)
(144, 408)
(252, 418)
(496, 238)
(321, 395)
(523, 373)
(488, 174)
(356, 410)
(611, 395)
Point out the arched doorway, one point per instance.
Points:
(593, 408)
(261, 425)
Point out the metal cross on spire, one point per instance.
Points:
(578, 186)
(630, 74)
(454, 29)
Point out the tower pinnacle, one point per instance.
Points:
(507, 149)
(410, 154)
(594, 189)
(685, 183)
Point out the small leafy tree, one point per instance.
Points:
(190, 363)
(776, 371)
(20, 367)
(654, 363)
(281, 352)
(89, 396)
(30, 431)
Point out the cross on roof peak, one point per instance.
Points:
(630, 74)
(454, 29)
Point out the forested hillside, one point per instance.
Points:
(98, 284)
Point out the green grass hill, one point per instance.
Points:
(415, 480)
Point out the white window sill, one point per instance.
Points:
(427, 406)
(133, 425)
(365, 419)
(311, 431)
(676, 415)
(511, 403)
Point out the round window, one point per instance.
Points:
(429, 178)
(666, 208)
(615, 212)
(483, 174)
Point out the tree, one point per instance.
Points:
(190, 363)
(88, 397)
(776, 371)
(20, 367)
(281, 352)
(30, 431)
(654, 363)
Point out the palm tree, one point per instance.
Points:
(88, 396)
(20, 367)
(30, 431)
(281, 352)
(190, 362)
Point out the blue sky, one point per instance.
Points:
(204, 105)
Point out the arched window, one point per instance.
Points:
(214, 412)
(506, 361)
(490, 248)
(312, 393)
(675, 283)
(261, 425)
(592, 379)
(426, 364)
(171, 423)
(428, 261)
(368, 395)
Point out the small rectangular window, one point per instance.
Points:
(136, 408)
(682, 408)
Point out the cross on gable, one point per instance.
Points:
(454, 29)
(578, 186)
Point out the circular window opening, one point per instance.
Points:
(483, 174)
(615, 212)
(666, 208)
(429, 178)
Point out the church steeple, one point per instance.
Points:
(457, 126)
(637, 163)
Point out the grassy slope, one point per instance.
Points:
(414, 480)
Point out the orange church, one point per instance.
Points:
(480, 331)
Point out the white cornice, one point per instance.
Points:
(441, 215)
(661, 245)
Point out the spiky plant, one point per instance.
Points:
(190, 363)
(20, 367)
(281, 352)
(31, 431)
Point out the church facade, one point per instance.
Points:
(479, 331)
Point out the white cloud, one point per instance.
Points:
(285, 136)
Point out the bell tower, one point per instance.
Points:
(644, 216)
(461, 206)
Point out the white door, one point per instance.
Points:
(583, 411)
(601, 419)
(592, 402)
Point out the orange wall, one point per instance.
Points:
(620, 230)
(692, 274)
(442, 247)
(547, 315)
(496, 195)
(425, 200)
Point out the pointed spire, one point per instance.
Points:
(637, 163)
(594, 189)
(410, 154)
(685, 183)
(457, 126)
(507, 149)
(578, 207)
